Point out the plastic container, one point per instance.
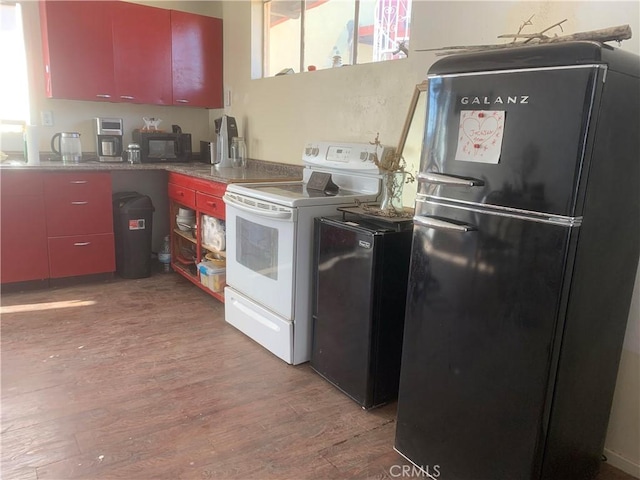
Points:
(212, 277)
(132, 227)
(164, 256)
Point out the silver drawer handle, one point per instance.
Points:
(103, 95)
(127, 97)
(440, 179)
(182, 100)
(431, 222)
(79, 203)
(78, 182)
(81, 244)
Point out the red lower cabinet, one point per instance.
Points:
(79, 223)
(23, 232)
(55, 225)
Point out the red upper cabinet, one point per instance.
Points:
(142, 54)
(78, 49)
(197, 60)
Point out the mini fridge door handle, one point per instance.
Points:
(449, 180)
(438, 224)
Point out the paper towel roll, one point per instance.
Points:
(32, 144)
(217, 241)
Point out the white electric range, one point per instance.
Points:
(270, 243)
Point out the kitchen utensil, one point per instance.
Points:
(186, 212)
(69, 146)
(133, 153)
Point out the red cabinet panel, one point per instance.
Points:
(71, 186)
(81, 255)
(196, 43)
(182, 195)
(127, 52)
(78, 49)
(210, 205)
(78, 203)
(79, 214)
(90, 214)
(142, 54)
(205, 197)
(23, 234)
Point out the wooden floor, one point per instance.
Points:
(143, 379)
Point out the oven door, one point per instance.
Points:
(261, 244)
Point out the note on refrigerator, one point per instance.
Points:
(480, 136)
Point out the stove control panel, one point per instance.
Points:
(343, 155)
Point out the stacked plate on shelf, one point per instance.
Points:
(186, 219)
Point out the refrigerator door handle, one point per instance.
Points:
(438, 224)
(450, 180)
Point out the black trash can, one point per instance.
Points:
(132, 226)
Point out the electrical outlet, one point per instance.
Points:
(227, 97)
(46, 118)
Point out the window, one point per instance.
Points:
(301, 35)
(14, 93)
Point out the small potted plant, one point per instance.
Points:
(394, 175)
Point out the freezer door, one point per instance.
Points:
(484, 298)
(342, 311)
(518, 138)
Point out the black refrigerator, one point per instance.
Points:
(524, 254)
(360, 273)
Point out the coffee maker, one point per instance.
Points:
(109, 139)
(226, 128)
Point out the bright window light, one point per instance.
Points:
(14, 90)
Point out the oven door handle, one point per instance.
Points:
(263, 213)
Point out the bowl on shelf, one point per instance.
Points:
(186, 212)
(185, 223)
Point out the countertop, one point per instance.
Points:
(256, 170)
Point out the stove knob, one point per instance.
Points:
(315, 151)
(371, 157)
(363, 156)
(307, 151)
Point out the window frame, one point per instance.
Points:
(265, 10)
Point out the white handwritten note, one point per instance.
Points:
(480, 136)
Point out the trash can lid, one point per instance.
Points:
(130, 201)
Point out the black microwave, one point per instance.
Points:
(163, 147)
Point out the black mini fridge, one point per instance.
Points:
(360, 275)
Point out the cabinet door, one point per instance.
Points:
(81, 255)
(196, 60)
(23, 234)
(142, 54)
(78, 49)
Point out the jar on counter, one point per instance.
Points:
(238, 152)
(133, 153)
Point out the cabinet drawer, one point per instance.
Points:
(182, 195)
(77, 186)
(210, 187)
(211, 205)
(81, 255)
(92, 213)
